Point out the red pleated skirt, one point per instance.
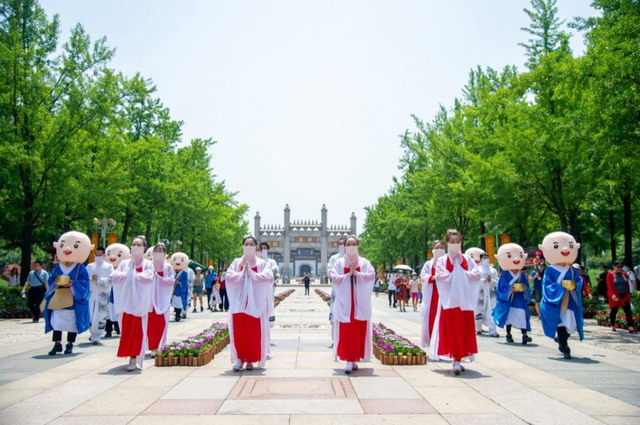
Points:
(247, 337)
(457, 334)
(433, 308)
(155, 329)
(353, 337)
(131, 338)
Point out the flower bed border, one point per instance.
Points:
(277, 299)
(205, 357)
(325, 297)
(202, 358)
(389, 358)
(602, 319)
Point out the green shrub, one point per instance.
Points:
(12, 298)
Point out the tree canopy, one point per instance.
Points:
(526, 153)
(81, 140)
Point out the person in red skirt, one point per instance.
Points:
(353, 278)
(458, 281)
(132, 292)
(160, 310)
(249, 287)
(431, 301)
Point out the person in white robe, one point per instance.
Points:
(132, 291)
(99, 276)
(353, 278)
(458, 281)
(487, 297)
(331, 266)
(263, 253)
(249, 287)
(160, 308)
(430, 310)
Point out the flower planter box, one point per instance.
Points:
(393, 349)
(325, 297)
(198, 350)
(277, 299)
(213, 339)
(201, 359)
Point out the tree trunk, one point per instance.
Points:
(483, 230)
(612, 231)
(127, 223)
(193, 243)
(147, 233)
(27, 241)
(575, 231)
(28, 224)
(628, 231)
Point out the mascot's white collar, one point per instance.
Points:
(65, 269)
(561, 269)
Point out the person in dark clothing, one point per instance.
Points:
(307, 281)
(37, 279)
(602, 283)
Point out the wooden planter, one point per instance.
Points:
(390, 359)
(202, 359)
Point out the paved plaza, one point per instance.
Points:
(303, 385)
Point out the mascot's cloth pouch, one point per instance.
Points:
(63, 297)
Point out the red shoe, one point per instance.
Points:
(613, 329)
(632, 330)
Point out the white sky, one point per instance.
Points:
(307, 99)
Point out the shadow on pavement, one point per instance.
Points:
(366, 372)
(467, 374)
(120, 371)
(244, 372)
(580, 360)
(57, 356)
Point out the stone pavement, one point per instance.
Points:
(303, 385)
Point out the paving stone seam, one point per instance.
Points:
(543, 395)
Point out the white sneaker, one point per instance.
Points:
(349, 368)
(355, 366)
(249, 366)
(457, 368)
(237, 366)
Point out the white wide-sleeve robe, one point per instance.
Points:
(425, 310)
(132, 294)
(99, 298)
(365, 278)
(459, 288)
(251, 295)
(161, 297)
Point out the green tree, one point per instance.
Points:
(47, 100)
(613, 65)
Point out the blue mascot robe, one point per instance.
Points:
(81, 290)
(507, 300)
(182, 288)
(552, 294)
